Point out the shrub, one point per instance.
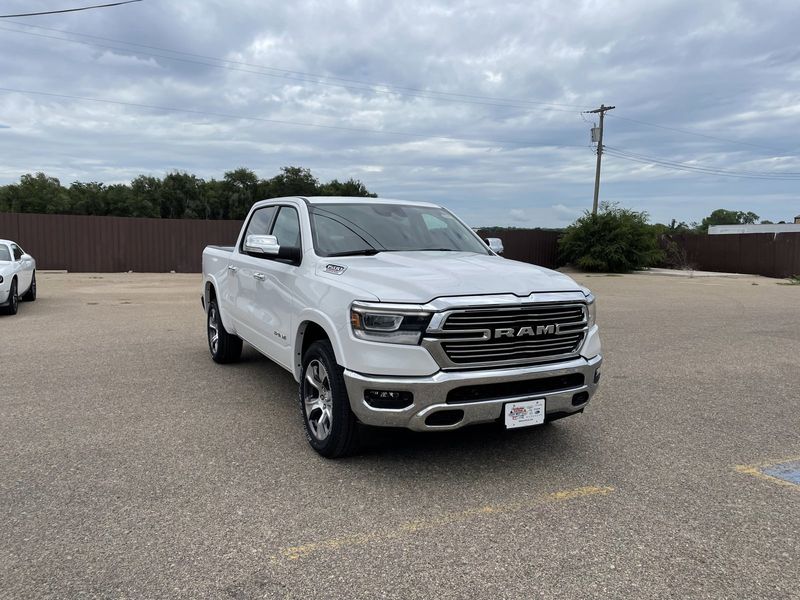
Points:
(616, 240)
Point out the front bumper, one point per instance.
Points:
(430, 394)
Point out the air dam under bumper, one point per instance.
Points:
(430, 394)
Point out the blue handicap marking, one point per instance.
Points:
(788, 471)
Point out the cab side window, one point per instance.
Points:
(5, 255)
(287, 228)
(259, 223)
(17, 251)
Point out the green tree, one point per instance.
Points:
(291, 181)
(615, 240)
(146, 196)
(239, 188)
(40, 194)
(119, 200)
(87, 198)
(181, 197)
(351, 187)
(722, 216)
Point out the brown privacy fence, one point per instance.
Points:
(86, 244)
(528, 245)
(115, 244)
(768, 254)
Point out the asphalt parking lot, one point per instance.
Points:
(131, 466)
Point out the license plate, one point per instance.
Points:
(524, 414)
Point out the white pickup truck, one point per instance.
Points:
(396, 314)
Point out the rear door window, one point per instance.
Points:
(5, 255)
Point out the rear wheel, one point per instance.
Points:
(30, 295)
(330, 425)
(13, 300)
(224, 347)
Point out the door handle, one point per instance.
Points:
(232, 269)
(259, 276)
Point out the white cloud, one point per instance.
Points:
(732, 75)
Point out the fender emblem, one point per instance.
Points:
(335, 269)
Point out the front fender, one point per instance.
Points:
(334, 333)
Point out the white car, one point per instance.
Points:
(17, 277)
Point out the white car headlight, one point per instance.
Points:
(390, 323)
(591, 307)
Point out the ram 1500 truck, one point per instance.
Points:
(396, 314)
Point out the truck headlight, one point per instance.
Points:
(591, 309)
(390, 323)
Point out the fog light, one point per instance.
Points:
(580, 398)
(388, 399)
(597, 376)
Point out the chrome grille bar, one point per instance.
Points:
(507, 335)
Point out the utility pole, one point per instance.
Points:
(602, 111)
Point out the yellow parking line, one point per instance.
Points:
(756, 471)
(297, 552)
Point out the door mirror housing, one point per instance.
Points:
(495, 245)
(262, 245)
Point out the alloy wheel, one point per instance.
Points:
(213, 329)
(318, 400)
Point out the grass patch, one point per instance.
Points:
(793, 280)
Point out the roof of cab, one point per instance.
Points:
(357, 199)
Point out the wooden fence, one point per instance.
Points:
(528, 245)
(86, 244)
(115, 244)
(768, 254)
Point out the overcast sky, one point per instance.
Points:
(489, 93)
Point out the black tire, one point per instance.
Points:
(13, 300)
(329, 393)
(226, 347)
(30, 295)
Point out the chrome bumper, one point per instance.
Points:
(430, 394)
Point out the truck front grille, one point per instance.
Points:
(512, 335)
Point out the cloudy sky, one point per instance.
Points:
(474, 104)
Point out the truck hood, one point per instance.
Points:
(419, 277)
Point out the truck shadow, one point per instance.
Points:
(486, 446)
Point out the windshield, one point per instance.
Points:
(5, 255)
(364, 228)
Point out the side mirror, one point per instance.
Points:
(266, 245)
(495, 245)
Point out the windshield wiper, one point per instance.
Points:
(365, 252)
(434, 250)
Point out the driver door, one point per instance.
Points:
(266, 287)
(24, 269)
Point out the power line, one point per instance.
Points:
(68, 10)
(303, 77)
(694, 168)
(701, 170)
(700, 166)
(695, 133)
(290, 123)
(371, 86)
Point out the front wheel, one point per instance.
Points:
(330, 425)
(224, 347)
